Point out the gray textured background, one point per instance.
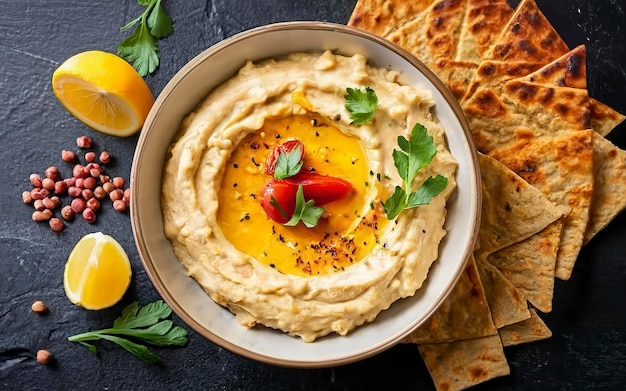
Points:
(589, 319)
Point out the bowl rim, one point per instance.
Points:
(138, 233)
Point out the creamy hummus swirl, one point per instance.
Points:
(307, 307)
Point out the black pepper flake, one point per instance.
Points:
(277, 135)
(423, 231)
(235, 165)
(254, 162)
(378, 176)
(314, 122)
(272, 265)
(281, 238)
(367, 183)
(273, 230)
(266, 146)
(385, 245)
(253, 196)
(254, 145)
(371, 172)
(317, 134)
(310, 169)
(235, 184)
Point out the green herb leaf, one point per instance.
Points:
(414, 154)
(289, 163)
(140, 48)
(429, 189)
(275, 204)
(159, 21)
(305, 211)
(141, 351)
(361, 105)
(143, 324)
(395, 204)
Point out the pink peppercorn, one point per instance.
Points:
(68, 156)
(89, 215)
(84, 142)
(35, 180)
(119, 205)
(56, 224)
(78, 205)
(104, 158)
(48, 184)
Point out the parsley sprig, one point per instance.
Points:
(361, 105)
(144, 324)
(409, 160)
(140, 48)
(289, 163)
(304, 210)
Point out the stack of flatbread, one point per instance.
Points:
(550, 178)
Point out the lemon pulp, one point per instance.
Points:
(97, 272)
(104, 92)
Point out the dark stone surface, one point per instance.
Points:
(587, 350)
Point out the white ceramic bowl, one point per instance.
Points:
(186, 89)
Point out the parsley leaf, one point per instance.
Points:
(140, 48)
(409, 160)
(289, 163)
(145, 325)
(305, 211)
(361, 105)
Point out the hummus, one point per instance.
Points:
(355, 263)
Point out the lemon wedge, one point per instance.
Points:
(104, 92)
(97, 272)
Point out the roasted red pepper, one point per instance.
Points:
(322, 189)
(286, 147)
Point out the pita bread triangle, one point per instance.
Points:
(459, 365)
(529, 37)
(530, 330)
(483, 24)
(609, 163)
(382, 17)
(512, 209)
(507, 304)
(604, 118)
(570, 70)
(530, 265)
(464, 314)
(561, 166)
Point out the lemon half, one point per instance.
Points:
(97, 272)
(104, 92)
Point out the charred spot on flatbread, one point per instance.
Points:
(484, 22)
(568, 104)
(528, 36)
